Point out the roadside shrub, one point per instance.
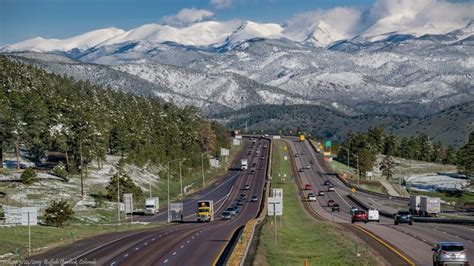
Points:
(28, 176)
(60, 171)
(58, 213)
(2, 212)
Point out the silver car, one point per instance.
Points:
(449, 253)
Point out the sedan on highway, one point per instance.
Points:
(449, 253)
(247, 187)
(308, 187)
(331, 203)
(352, 210)
(327, 183)
(335, 208)
(301, 170)
(226, 215)
(331, 188)
(321, 193)
(308, 166)
(359, 216)
(232, 210)
(311, 196)
(254, 199)
(402, 217)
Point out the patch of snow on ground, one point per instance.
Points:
(435, 182)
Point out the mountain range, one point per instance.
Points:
(224, 67)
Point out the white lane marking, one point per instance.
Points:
(174, 253)
(126, 255)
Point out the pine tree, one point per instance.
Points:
(58, 213)
(451, 156)
(466, 157)
(387, 166)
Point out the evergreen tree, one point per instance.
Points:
(451, 156)
(387, 166)
(391, 145)
(366, 160)
(126, 185)
(466, 157)
(58, 213)
(28, 176)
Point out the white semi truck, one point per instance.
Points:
(152, 205)
(244, 164)
(424, 205)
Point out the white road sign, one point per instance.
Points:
(277, 192)
(128, 201)
(224, 152)
(275, 206)
(29, 215)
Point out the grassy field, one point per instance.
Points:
(14, 239)
(299, 237)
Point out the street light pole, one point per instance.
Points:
(202, 167)
(118, 198)
(358, 170)
(181, 179)
(169, 218)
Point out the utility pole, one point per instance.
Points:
(358, 171)
(169, 191)
(29, 235)
(82, 169)
(181, 179)
(118, 198)
(202, 167)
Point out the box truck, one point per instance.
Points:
(205, 211)
(152, 205)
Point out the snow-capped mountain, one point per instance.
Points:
(231, 65)
(79, 42)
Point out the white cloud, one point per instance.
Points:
(418, 16)
(330, 25)
(188, 16)
(221, 3)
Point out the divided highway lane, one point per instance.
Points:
(202, 243)
(117, 248)
(415, 241)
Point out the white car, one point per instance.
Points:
(373, 215)
(311, 197)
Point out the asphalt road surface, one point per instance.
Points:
(415, 241)
(184, 243)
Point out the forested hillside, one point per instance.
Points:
(41, 111)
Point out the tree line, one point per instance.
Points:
(41, 112)
(363, 147)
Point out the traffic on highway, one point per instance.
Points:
(413, 242)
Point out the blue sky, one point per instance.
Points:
(25, 19)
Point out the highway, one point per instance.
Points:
(184, 243)
(414, 242)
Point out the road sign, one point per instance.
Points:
(236, 142)
(353, 190)
(128, 202)
(275, 206)
(224, 152)
(176, 210)
(277, 192)
(29, 216)
(214, 162)
(327, 143)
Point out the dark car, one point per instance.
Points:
(331, 203)
(247, 187)
(240, 202)
(359, 216)
(297, 155)
(254, 199)
(231, 210)
(402, 217)
(327, 183)
(226, 215)
(335, 208)
(308, 187)
(301, 170)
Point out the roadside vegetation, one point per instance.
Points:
(299, 237)
(14, 244)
